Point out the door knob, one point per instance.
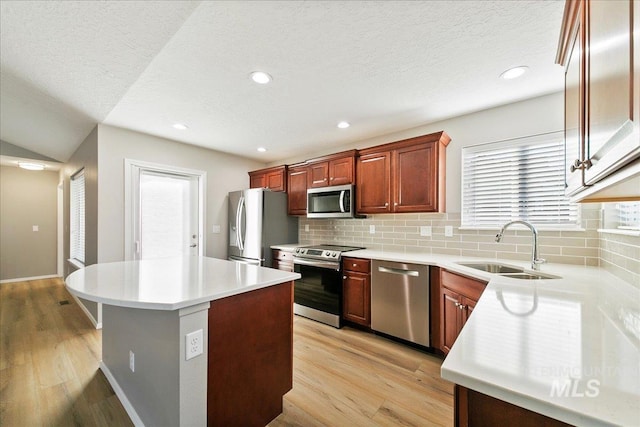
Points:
(193, 246)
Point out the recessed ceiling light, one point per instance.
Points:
(261, 77)
(262, 149)
(31, 166)
(343, 125)
(180, 126)
(513, 73)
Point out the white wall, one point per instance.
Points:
(225, 173)
(531, 117)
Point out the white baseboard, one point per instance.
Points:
(123, 397)
(96, 324)
(25, 279)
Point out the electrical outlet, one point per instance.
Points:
(306, 228)
(193, 344)
(215, 229)
(35, 228)
(372, 229)
(448, 231)
(425, 230)
(132, 361)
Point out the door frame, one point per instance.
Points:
(132, 170)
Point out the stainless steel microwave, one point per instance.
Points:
(331, 202)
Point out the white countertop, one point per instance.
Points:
(286, 246)
(170, 283)
(567, 348)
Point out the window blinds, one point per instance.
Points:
(77, 217)
(629, 216)
(520, 179)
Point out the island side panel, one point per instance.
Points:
(153, 389)
(250, 356)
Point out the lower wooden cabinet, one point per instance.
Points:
(282, 260)
(458, 296)
(356, 291)
(479, 410)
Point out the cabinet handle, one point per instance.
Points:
(457, 304)
(461, 307)
(332, 178)
(386, 204)
(395, 204)
(355, 265)
(344, 277)
(578, 165)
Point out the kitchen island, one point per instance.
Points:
(194, 340)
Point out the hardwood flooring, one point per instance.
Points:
(49, 374)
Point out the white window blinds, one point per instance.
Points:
(77, 217)
(519, 179)
(629, 215)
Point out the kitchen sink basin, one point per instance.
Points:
(493, 268)
(507, 271)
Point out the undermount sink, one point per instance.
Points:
(507, 271)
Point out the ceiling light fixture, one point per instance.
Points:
(261, 77)
(180, 126)
(514, 73)
(343, 125)
(262, 149)
(31, 166)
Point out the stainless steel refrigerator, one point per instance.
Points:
(257, 220)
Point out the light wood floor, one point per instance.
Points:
(49, 372)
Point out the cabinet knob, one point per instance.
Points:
(332, 178)
(395, 204)
(355, 265)
(457, 304)
(344, 277)
(386, 204)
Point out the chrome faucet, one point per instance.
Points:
(535, 261)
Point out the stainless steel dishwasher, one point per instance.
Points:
(400, 300)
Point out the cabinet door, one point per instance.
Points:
(341, 171)
(276, 181)
(257, 181)
(357, 298)
(415, 179)
(373, 186)
(573, 117)
(611, 138)
(468, 305)
(319, 175)
(451, 318)
(297, 194)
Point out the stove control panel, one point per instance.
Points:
(316, 253)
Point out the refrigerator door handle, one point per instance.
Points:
(239, 231)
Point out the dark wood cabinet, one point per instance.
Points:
(457, 299)
(282, 260)
(404, 176)
(356, 285)
(271, 178)
(335, 169)
(298, 178)
(602, 100)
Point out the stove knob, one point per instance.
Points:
(335, 255)
(327, 253)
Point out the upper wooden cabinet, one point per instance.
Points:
(601, 56)
(298, 179)
(403, 176)
(336, 169)
(274, 178)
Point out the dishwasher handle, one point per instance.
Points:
(400, 271)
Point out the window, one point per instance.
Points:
(76, 238)
(518, 179)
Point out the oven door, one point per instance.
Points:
(320, 287)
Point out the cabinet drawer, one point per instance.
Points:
(356, 264)
(282, 255)
(466, 286)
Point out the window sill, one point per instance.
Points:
(635, 233)
(75, 263)
(538, 227)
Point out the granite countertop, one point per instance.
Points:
(567, 348)
(170, 283)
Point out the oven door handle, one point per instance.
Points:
(320, 264)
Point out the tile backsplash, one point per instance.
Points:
(401, 233)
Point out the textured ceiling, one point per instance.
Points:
(383, 66)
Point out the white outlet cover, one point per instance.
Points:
(425, 230)
(448, 231)
(36, 228)
(132, 361)
(306, 228)
(215, 229)
(193, 344)
(372, 229)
